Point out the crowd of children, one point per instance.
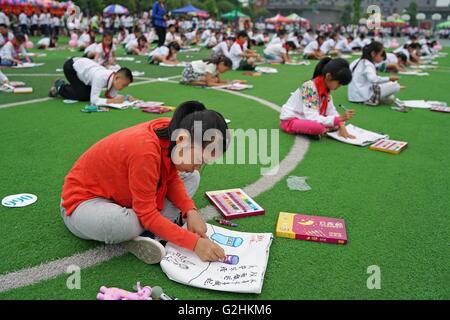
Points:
(309, 110)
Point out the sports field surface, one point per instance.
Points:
(396, 207)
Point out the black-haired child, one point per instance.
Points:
(13, 53)
(206, 72)
(310, 109)
(367, 87)
(165, 54)
(87, 79)
(142, 179)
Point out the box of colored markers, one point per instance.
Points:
(311, 228)
(234, 203)
(389, 146)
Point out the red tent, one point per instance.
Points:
(279, 19)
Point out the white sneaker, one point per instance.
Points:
(146, 249)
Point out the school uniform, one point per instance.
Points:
(221, 50)
(171, 37)
(44, 43)
(275, 52)
(162, 51)
(357, 44)
(366, 86)
(9, 52)
(84, 40)
(87, 79)
(327, 46)
(308, 38)
(311, 48)
(306, 112)
(23, 23)
(391, 59)
(196, 71)
(404, 51)
(5, 38)
(343, 46)
(106, 55)
(239, 62)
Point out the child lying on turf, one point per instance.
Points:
(312, 50)
(165, 54)
(139, 179)
(48, 42)
(392, 63)
(206, 72)
(367, 87)
(310, 109)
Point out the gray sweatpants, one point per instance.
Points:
(105, 221)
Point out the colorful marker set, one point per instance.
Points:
(389, 146)
(234, 203)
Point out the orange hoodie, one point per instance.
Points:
(132, 167)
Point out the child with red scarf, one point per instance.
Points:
(105, 54)
(138, 46)
(13, 52)
(310, 109)
(240, 55)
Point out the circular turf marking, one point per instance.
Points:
(95, 256)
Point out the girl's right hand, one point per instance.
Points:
(347, 115)
(207, 250)
(394, 78)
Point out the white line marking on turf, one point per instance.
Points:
(14, 104)
(50, 270)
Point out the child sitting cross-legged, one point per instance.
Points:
(310, 109)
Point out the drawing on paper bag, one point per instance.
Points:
(242, 271)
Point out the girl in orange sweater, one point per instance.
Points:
(141, 178)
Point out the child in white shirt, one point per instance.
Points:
(165, 54)
(206, 72)
(367, 87)
(278, 53)
(310, 109)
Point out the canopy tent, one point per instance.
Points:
(443, 25)
(278, 19)
(191, 10)
(394, 21)
(296, 18)
(234, 14)
(115, 9)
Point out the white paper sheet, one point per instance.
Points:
(249, 252)
(27, 65)
(423, 104)
(414, 73)
(363, 137)
(181, 64)
(266, 70)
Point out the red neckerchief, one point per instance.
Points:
(107, 94)
(287, 49)
(166, 164)
(241, 44)
(323, 93)
(16, 49)
(107, 53)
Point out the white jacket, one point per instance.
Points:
(364, 77)
(304, 104)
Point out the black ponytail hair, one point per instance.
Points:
(184, 117)
(374, 46)
(339, 70)
(220, 59)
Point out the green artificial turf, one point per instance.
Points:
(395, 207)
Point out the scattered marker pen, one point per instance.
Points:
(225, 222)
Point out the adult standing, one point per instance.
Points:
(159, 17)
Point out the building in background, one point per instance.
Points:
(332, 11)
